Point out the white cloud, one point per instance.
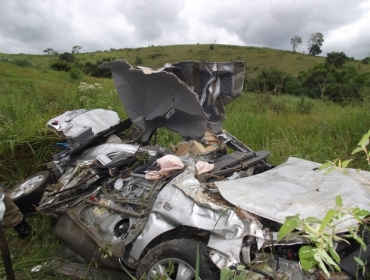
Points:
(34, 25)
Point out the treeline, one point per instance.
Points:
(331, 80)
(66, 62)
(324, 82)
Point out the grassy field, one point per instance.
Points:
(284, 125)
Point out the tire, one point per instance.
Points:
(182, 253)
(27, 194)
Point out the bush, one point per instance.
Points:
(68, 57)
(325, 82)
(138, 60)
(22, 62)
(75, 74)
(61, 65)
(272, 80)
(366, 60)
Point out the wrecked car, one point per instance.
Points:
(111, 187)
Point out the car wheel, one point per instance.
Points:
(181, 253)
(28, 193)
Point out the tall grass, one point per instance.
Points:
(276, 123)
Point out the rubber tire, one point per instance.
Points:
(184, 250)
(27, 201)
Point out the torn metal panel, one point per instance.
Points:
(154, 99)
(216, 83)
(298, 187)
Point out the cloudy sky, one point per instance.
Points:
(31, 26)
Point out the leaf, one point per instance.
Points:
(321, 264)
(309, 229)
(359, 149)
(346, 162)
(240, 267)
(243, 275)
(338, 201)
(226, 273)
(290, 224)
(334, 254)
(326, 258)
(306, 257)
(328, 166)
(364, 140)
(327, 219)
(313, 220)
(359, 261)
(363, 213)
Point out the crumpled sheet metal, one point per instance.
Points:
(155, 98)
(298, 187)
(183, 203)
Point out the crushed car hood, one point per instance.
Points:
(298, 187)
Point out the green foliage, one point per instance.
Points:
(93, 69)
(61, 65)
(272, 80)
(75, 74)
(315, 42)
(138, 60)
(321, 236)
(315, 49)
(362, 146)
(106, 251)
(337, 59)
(22, 62)
(211, 47)
(68, 57)
(366, 60)
(325, 82)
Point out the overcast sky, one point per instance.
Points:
(31, 26)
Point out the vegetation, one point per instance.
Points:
(337, 59)
(315, 43)
(306, 123)
(295, 41)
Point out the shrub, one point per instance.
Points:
(68, 57)
(75, 74)
(61, 65)
(366, 60)
(138, 60)
(272, 80)
(22, 62)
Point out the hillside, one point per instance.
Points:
(257, 59)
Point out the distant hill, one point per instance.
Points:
(257, 59)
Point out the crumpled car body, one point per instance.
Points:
(104, 199)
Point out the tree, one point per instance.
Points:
(76, 49)
(337, 59)
(315, 42)
(49, 51)
(295, 41)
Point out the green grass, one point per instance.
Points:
(284, 125)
